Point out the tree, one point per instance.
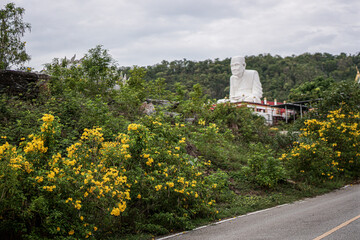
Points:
(311, 90)
(344, 94)
(95, 73)
(12, 28)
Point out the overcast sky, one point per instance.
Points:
(145, 32)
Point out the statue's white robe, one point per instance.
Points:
(247, 88)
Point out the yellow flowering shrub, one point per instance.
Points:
(76, 191)
(327, 148)
(166, 181)
(141, 178)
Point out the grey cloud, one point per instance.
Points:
(144, 32)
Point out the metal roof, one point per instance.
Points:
(292, 106)
(298, 106)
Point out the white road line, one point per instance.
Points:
(222, 221)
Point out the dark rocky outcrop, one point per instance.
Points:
(24, 84)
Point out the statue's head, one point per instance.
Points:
(238, 66)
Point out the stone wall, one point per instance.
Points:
(24, 84)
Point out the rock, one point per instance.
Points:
(163, 103)
(172, 114)
(27, 84)
(147, 108)
(190, 120)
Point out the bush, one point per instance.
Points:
(141, 181)
(327, 148)
(245, 125)
(263, 169)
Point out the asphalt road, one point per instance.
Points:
(333, 216)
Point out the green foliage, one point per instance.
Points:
(215, 144)
(344, 94)
(212, 75)
(18, 118)
(263, 169)
(128, 99)
(327, 148)
(157, 89)
(245, 125)
(278, 74)
(12, 28)
(109, 166)
(196, 105)
(311, 90)
(94, 74)
(144, 175)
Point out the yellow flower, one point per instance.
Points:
(58, 229)
(150, 161)
(115, 212)
(71, 232)
(49, 188)
(139, 196)
(95, 229)
(39, 179)
(81, 218)
(158, 187)
(133, 127)
(77, 204)
(51, 174)
(37, 144)
(170, 184)
(181, 180)
(202, 122)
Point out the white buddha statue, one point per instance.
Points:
(245, 85)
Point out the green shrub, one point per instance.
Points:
(245, 125)
(263, 169)
(142, 181)
(327, 148)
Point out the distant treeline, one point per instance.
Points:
(278, 75)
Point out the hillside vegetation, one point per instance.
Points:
(82, 160)
(278, 75)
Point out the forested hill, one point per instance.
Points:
(277, 74)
